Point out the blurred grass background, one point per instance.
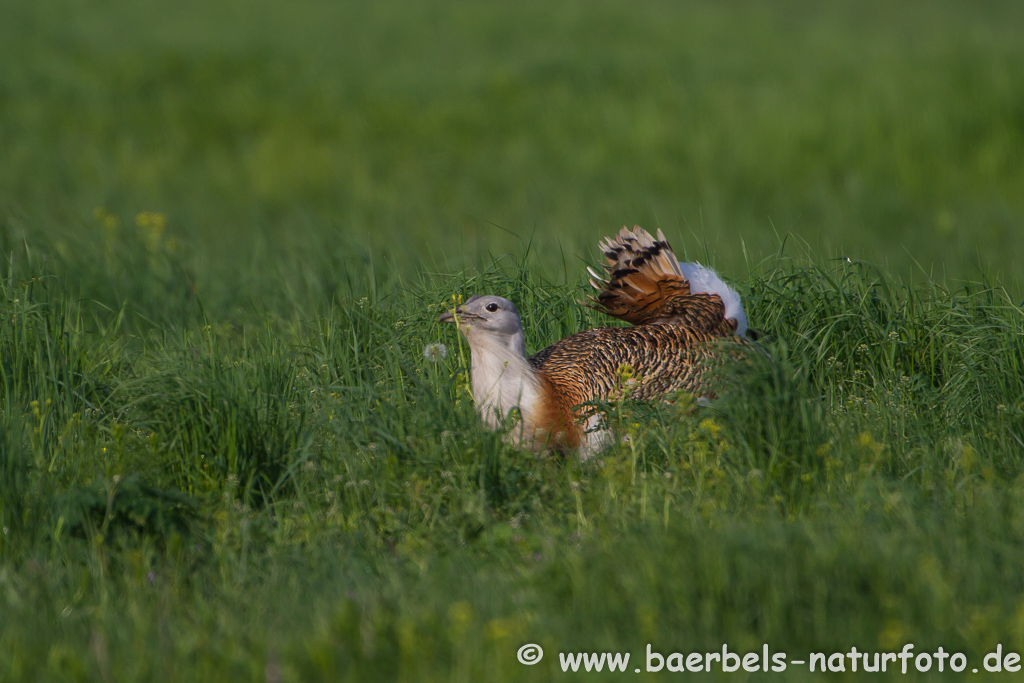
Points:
(227, 231)
(428, 133)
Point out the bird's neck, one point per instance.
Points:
(502, 378)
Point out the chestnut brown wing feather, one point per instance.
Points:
(646, 285)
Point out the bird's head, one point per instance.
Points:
(488, 318)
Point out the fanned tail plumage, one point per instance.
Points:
(645, 283)
(643, 275)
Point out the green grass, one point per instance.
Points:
(227, 232)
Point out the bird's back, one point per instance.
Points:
(679, 325)
(658, 359)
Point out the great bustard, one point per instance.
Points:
(678, 311)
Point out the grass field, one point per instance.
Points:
(228, 229)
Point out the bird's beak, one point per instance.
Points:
(447, 316)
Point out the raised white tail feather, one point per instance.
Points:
(703, 279)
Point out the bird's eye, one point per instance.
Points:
(492, 307)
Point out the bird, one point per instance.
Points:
(680, 312)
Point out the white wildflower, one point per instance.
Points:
(435, 353)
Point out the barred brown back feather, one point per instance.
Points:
(588, 366)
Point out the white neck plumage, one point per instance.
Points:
(502, 379)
